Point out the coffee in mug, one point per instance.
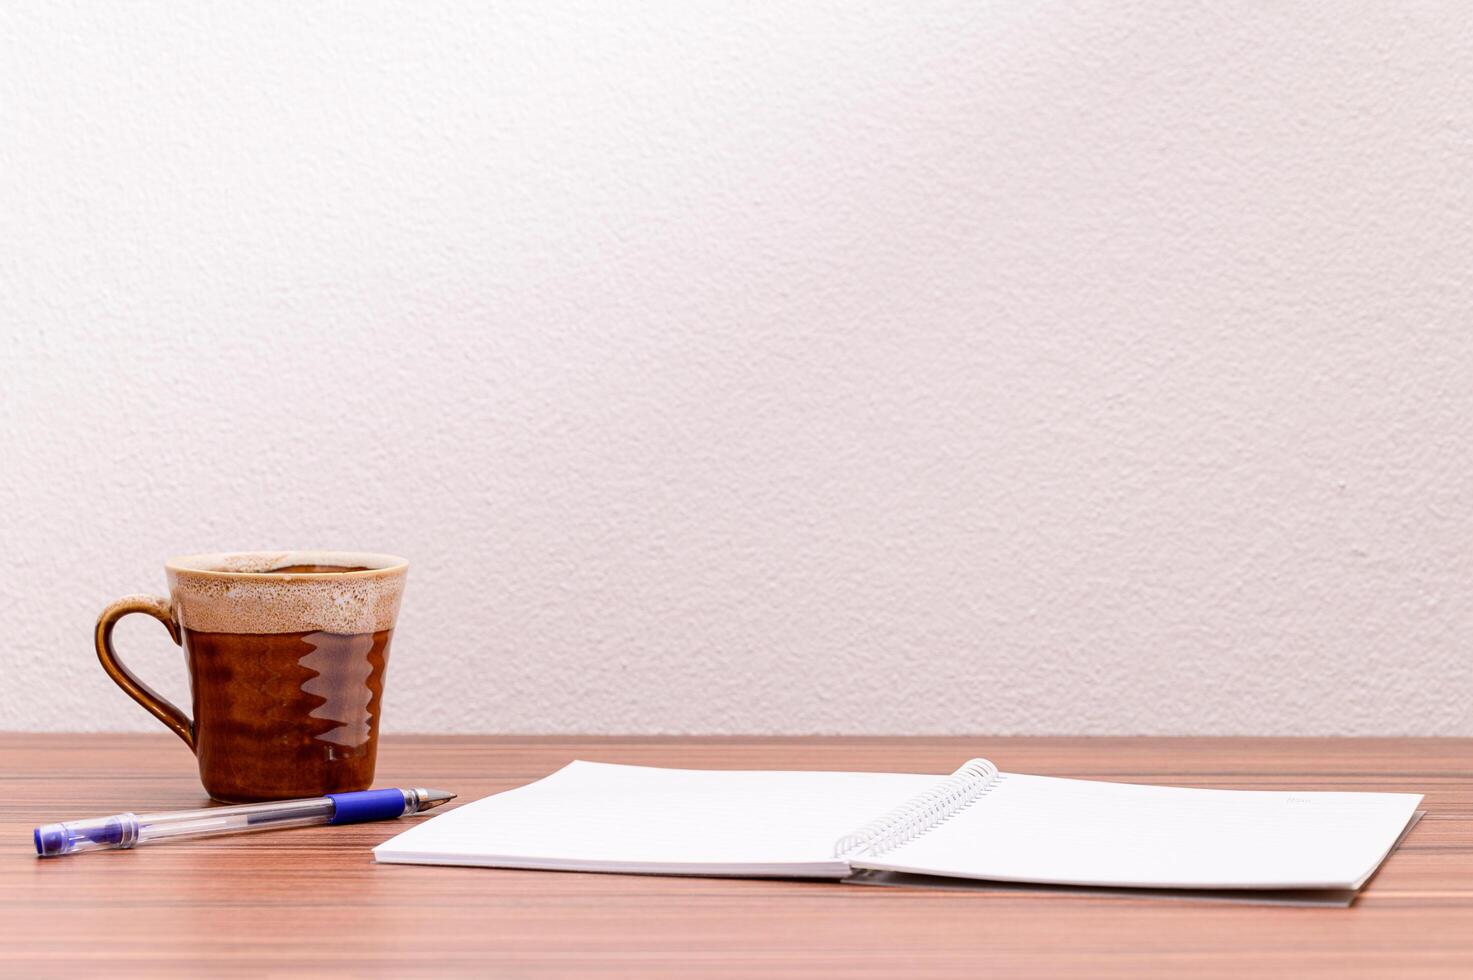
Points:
(286, 653)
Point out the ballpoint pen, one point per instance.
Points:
(131, 829)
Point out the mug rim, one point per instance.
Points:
(378, 563)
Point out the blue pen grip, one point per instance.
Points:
(369, 804)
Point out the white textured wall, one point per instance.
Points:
(866, 367)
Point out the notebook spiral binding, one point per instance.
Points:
(915, 816)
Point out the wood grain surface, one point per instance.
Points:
(311, 902)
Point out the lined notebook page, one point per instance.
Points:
(592, 816)
(1069, 831)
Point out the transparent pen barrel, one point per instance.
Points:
(127, 829)
(234, 820)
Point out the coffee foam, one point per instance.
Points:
(238, 593)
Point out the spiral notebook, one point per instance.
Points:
(977, 823)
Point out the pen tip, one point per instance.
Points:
(429, 798)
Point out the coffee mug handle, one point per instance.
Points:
(162, 709)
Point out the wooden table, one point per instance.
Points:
(312, 902)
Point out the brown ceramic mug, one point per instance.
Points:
(286, 653)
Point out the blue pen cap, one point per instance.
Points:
(54, 842)
(54, 839)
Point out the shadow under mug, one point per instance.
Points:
(286, 652)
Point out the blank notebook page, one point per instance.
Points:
(1070, 831)
(590, 816)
